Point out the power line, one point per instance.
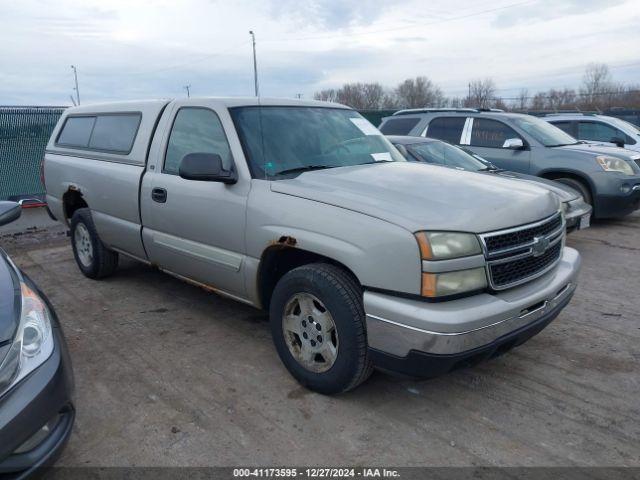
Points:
(171, 67)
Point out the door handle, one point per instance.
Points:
(159, 195)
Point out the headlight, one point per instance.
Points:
(33, 342)
(613, 164)
(445, 245)
(453, 283)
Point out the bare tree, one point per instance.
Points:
(522, 101)
(327, 95)
(361, 96)
(481, 93)
(595, 83)
(418, 93)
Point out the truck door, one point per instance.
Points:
(194, 228)
(486, 137)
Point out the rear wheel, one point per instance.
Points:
(93, 258)
(318, 327)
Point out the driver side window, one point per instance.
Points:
(196, 130)
(491, 133)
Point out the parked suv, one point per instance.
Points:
(607, 177)
(600, 129)
(305, 210)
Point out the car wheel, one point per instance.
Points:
(318, 327)
(578, 186)
(93, 258)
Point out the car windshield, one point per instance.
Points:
(442, 153)
(623, 124)
(281, 141)
(545, 133)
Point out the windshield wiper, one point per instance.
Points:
(304, 168)
(563, 144)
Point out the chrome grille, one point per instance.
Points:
(520, 254)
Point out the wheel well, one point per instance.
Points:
(576, 177)
(279, 259)
(72, 201)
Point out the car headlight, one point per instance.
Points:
(613, 164)
(435, 246)
(446, 245)
(33, 341)
(453, 283)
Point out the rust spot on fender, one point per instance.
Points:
(287, 241)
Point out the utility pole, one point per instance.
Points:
(255, 63)
(298, 95)
(188, 89)
(75, 76)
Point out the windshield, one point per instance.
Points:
(442, 153)
(280, 141)
(547, 134)
(623, 124)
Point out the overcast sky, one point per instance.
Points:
(126, 49)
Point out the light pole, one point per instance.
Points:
(75, 76)
(255, 63)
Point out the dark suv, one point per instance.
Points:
(607, 177)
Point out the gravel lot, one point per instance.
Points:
(168, 374)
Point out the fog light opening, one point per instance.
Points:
(40, 436)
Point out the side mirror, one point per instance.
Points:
(206, 167)
(9, 211)
(618, 141)
(513, 144)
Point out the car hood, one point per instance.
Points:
(9, 295)
(595, 149)
(418, 196)
(566, 194)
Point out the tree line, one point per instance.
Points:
(598, 91)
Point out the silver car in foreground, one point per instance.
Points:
(304, 209)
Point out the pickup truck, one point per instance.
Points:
(304, 209)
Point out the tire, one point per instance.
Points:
(579, 186)
(93, 258)
(311, 297)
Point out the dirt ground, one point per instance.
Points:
(168, 374)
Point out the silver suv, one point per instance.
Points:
(601, 129)
(607, 177)
(304, 209)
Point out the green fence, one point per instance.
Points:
(24, 133)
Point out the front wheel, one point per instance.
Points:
(318, 327)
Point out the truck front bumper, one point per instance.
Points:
(425, 339)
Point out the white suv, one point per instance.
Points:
(598, 128)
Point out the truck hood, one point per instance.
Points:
(564, 193)
(9, 292)
(595, 149)
(425, 197)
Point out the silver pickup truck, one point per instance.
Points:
(304, 209)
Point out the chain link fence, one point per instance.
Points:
(24, 133)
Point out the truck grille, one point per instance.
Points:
(520, 254)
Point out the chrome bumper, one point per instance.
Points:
(398, 325)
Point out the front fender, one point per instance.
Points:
(380, 254)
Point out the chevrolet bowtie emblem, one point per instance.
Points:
(540, 245)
